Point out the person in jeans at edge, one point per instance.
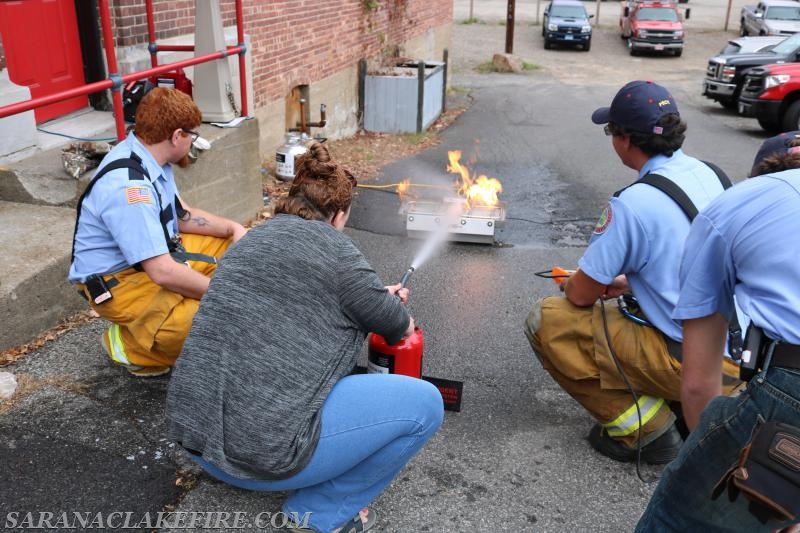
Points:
(744, 243)
(635, 248)
(262, 396)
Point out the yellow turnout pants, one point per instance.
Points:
(571, 344)
(150, 323)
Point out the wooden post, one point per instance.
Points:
(510, 28)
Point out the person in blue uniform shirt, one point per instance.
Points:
(635, 248)
(142, 257)
(743, 244)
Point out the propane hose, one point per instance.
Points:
(390, 185)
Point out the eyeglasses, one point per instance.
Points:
(194, 134)
(607, 130)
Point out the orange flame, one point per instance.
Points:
(403, 188)
(479, 190)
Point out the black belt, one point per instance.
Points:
(786, 356)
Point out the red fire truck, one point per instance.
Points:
(651, 25)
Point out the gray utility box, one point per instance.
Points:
(399, 100)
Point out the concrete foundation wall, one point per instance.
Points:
(340, 92)
(226, 180)
(34, 292)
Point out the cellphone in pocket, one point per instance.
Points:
(98, 290)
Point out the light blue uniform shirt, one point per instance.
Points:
(119, 223)
(747, 243)
(642, 232)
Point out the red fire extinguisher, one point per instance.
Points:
(404, 358)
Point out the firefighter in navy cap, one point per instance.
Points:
(744, 243)
(141, 256)
(633, 254)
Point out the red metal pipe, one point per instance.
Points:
(232, 49)
(19, 107)
(115, 82)
(113, 68)
(242, 70)
(175, 48)
(151, 33)
(177, 64)
(27, 105)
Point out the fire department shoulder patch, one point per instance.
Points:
(604, 221)
(138, 195)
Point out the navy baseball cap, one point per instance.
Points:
(778, 145)
(637, 107)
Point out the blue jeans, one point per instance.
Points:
(372, 425)
(682, 501)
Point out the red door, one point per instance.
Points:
(43, 50)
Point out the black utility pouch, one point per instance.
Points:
(768, 473)
(98, 290)
(751, 357)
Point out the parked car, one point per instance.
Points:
(652, 25)
(771, 94)
(770, 17)
(567, 22)
(725, 74)
(749, 45)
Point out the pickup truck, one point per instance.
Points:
(652, 25)
(725, 73)
(771, 17)
(771, 94)
(566, 22)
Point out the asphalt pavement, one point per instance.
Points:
(82, 437)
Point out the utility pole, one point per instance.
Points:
(471, 18)
(510, 28)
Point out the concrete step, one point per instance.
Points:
(34, 293)
(37, 176)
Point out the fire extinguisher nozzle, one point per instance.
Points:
(407, 275)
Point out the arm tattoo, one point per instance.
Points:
(201, 221)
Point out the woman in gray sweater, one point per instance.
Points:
(262, 397)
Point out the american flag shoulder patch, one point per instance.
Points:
(138, 195)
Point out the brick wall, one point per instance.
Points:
(295, 42)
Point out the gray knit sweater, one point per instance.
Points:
(284, 319)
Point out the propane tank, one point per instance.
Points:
(284, 157)
(404, 358)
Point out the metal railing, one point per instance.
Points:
(116, 82)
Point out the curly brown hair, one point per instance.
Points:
(665, 143)
(162, 111)
(778, 161)
(321, 187)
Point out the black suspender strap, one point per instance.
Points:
(136, 171)
(721, 176)
(678, 196)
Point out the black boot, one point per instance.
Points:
(661, 451)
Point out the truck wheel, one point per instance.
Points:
(742, 29)
(679, 51)
(547, 44)
(587, 45)
(768, 125)
(791, 118)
